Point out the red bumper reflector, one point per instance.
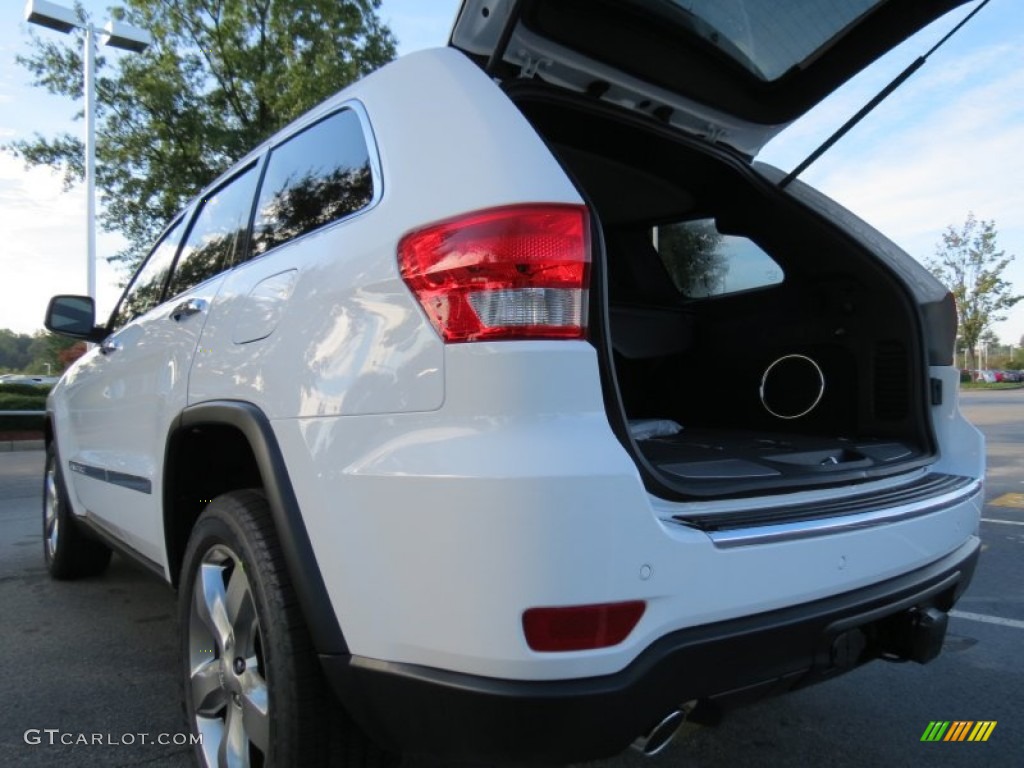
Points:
(581, 627)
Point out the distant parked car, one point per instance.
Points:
(29, 378)
(989, 377)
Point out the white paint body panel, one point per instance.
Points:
(352, 339)
(436, 531)
(115, 411)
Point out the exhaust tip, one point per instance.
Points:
(659, 737)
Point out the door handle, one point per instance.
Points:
(187, 308)
(109, 345)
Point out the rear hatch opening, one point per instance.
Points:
(751, 341)
(748, 346)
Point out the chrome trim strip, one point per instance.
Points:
(123, 479)
(803, 529)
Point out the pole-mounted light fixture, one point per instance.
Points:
(116, 34)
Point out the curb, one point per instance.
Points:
(1012, 388)
(7, 446)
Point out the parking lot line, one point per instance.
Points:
(1004, 522)
(1016, 624)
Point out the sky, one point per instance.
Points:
(949, 141)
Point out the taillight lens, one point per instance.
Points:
(518, 272)
(581, 627)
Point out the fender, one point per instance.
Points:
(289, 526)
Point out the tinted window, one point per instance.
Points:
(703, 262)
(147, 288)
(217, 235)
(768, 38)
(316, 177)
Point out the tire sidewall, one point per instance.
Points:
(218, 525)
(69, 558)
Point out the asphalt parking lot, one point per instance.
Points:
(99, 656)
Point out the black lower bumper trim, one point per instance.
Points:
(459, 717)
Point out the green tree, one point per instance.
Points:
(14, 350)
(969, 263)
(221, 76)
(22, 353)
(690, 251)
(52, 354)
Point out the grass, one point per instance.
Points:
(994, 385)
(14, 397)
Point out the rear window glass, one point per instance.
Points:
(704, 262)
(316, 177)
(768, 38)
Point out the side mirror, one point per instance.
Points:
(73, 316)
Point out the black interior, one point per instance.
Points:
(702, 362)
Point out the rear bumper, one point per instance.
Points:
(459, 717)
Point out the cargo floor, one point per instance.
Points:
(712, 462)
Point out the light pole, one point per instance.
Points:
(118, 35)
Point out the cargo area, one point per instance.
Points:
(749, 346)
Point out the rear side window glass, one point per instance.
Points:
(316, 177)
(704, 262)
(147, 288)
(218, 234)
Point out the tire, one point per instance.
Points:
(68, 552)
(253, 688)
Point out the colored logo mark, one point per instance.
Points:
(959, 730)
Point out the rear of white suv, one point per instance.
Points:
(423, 390)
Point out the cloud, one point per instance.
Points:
(943, 78)
(44, 245)
(961, 154)
(950, 141)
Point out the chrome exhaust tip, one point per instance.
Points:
(660, 736)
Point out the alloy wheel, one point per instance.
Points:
(51, 510)
(227, 670)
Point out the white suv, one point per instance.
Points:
(503, 408)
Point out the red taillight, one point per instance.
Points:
(581, 627)
(507, 273)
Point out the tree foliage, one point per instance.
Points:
(690, 251)
(22, 353)
(968, 262)
(221, 76)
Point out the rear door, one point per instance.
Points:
(734, 71)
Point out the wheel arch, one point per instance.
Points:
(223, 445)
